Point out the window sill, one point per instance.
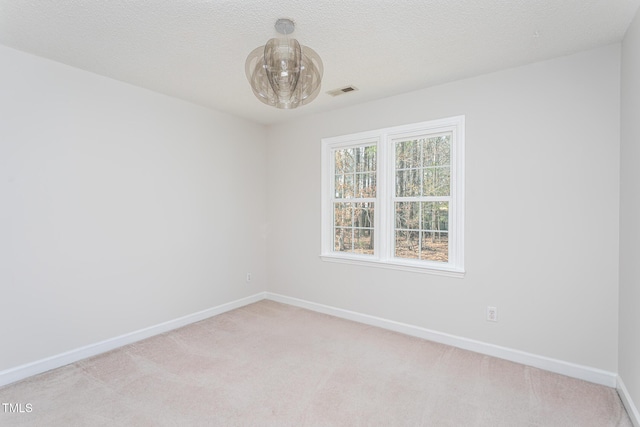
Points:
(394, 265)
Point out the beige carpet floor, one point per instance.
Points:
(269, 364)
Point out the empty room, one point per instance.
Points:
(278, 213)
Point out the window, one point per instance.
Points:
(394, 197)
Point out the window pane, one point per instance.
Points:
(338, 183)
(353, 227)
(355, 172)
(407, 154)
(344, 160)
(435, 216)
(366, 184)
(343, 214)
(436, 181)
(363, 241)
(366, 158)
(408, 183)
(344, 186)
(342, 241)
(435, 246)
(437, 151)
(408, 215)
(422, 230)
(407, 245)
(363, 215)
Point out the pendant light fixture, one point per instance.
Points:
(283, 73)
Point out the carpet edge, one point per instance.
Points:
(628, 403)
(12, 375)
(586, 373)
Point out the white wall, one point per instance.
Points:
(119, 208)
(112, 217)
(629, 351)
(542, 181)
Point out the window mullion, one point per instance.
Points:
(382, 219)
(391, 194)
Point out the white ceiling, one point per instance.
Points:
(196, 50)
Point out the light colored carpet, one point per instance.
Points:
(269, 364)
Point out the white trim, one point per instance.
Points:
(454, 126)
(573, 370)
(553, 365)
(632, 410)
(18, 373)
(384, 139)
(393, 264)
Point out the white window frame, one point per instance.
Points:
(385, 196)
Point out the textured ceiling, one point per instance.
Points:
(195, 50)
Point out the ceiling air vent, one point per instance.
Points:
(342, 90)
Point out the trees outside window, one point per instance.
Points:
(394, 197)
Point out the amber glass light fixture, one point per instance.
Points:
(283, 73)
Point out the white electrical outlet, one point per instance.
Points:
(248, 277)
(492, 314)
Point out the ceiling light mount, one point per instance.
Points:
(285, 26)
(283, 73)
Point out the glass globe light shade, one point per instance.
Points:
(284, 74)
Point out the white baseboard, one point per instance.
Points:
(558, 366)
(24, 371)
(632, 410)
(573, 370)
